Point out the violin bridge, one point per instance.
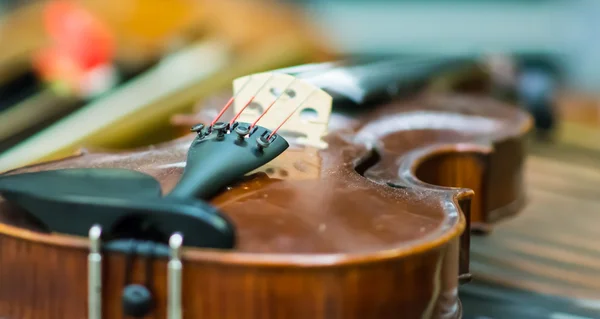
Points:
(174, 269)
(308, 123)
(95, 274)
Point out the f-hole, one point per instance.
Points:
(372, 158)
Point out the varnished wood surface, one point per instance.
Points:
(328, 239)
(553, 246)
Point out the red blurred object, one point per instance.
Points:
(52, 66)
(81, 42)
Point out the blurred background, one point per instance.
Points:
(121, 73)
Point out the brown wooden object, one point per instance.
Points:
(368, 227)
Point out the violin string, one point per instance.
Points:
(292, 113)
(228, 104)
(251, 99)
(272, 103)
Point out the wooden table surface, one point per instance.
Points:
(553, 246)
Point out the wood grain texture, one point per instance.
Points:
(552, 247)
(218, 290)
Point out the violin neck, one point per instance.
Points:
(366, 82)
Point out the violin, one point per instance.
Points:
(282, 204)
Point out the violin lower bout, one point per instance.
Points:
(41, 281)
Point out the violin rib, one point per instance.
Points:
(376, 225)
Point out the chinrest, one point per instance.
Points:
(126, 204)
(109, 182)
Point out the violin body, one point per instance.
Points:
(375, 225)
